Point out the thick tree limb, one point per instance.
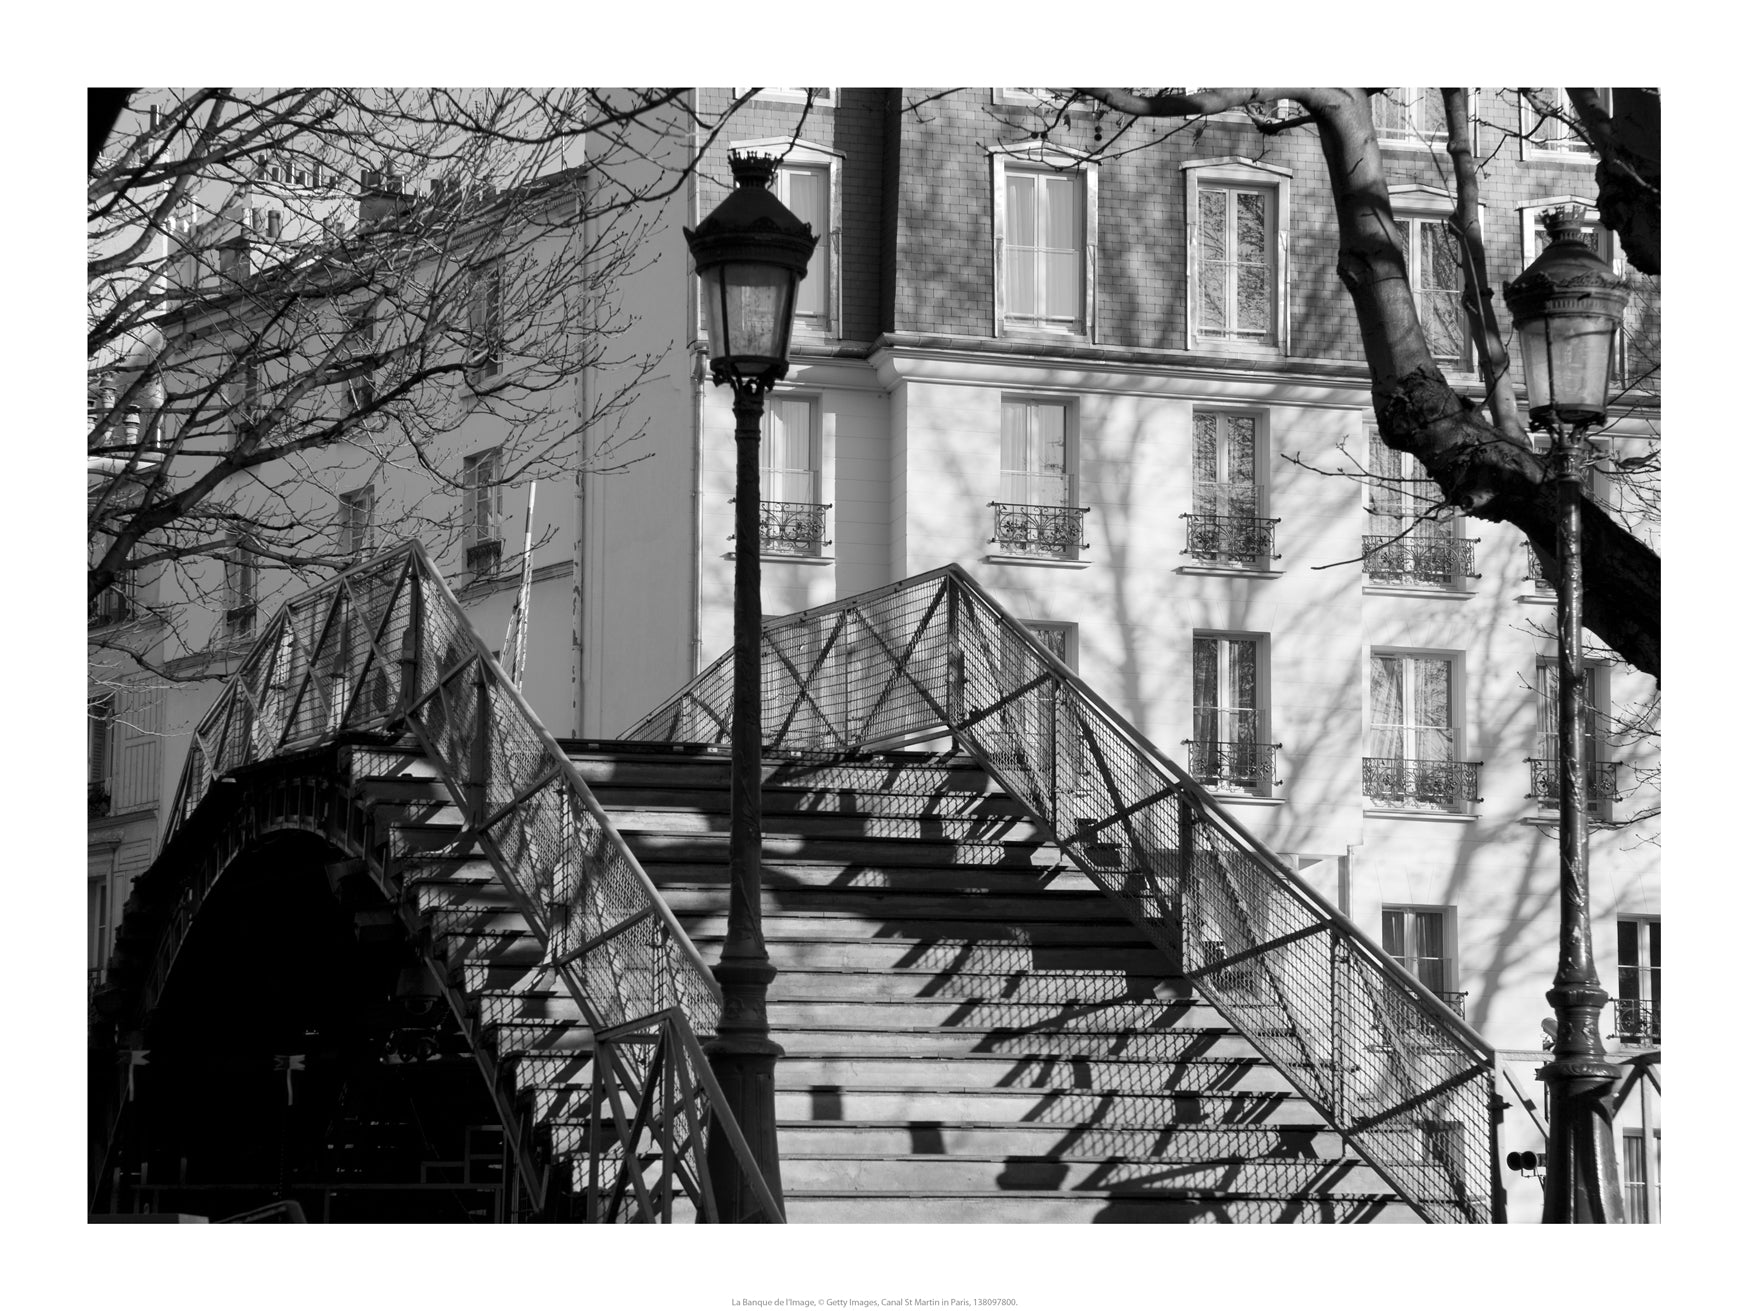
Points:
(1485, 469)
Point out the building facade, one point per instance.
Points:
(1125, 388)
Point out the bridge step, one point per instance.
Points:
(971, 1028)
(1214, 1206)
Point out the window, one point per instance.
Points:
(355, 358)
(1435, 271)
(241, 588)
(1236, 296)
(1411, 759)
(483, 506)
(1643, 1198)
(1409, 115)
(1044, 248)
(1416, 938)
(1413, 539)
(806, 190)
(97, 926)
(99, 738)
(820, 97)
(1035, 514)
(1225, 523)
(243, 395)
(1547, 121)
(1639, 997)
(115, 603)
(357, 522)
(791, 517)
(1545, 765)
(1060, 640)
(1227, 747)
(486, 319)
(1046, 242)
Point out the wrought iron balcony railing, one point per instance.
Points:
(1233, 538)
(1638, 1023)
(1599, 781)
(483, 557)
(792, 527)
(1536, 574)
(1404, 783)
(1048, 530)
(1434, 561)
(1233, 766)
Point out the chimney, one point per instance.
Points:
(380, 197)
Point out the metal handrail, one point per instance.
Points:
(1381, 1056)
(386, 647)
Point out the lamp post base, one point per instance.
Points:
(1583, 1183)
(744, 1060)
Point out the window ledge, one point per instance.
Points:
(1225, 571)
(1032, 332)
(1245, 799)
(783, 557)
(1436, 816)
(1430, 593)
(1537, 598)
(1042, 561)
(1247, 349)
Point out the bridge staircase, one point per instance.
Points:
(1040, 977)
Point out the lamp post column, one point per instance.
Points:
(742, 1055)
(1583, 1184)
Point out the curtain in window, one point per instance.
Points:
(1387, 707)
(1433, 739)
(1225, 465)
(1403, 493)
(1043, 246)
(786, 471)
(1548, 712)
(1034, 454)
(1223, 704)
(1633, 1179)
(807, 192)
(1429, 950)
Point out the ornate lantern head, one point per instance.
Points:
(751, 254)
(1566, 307)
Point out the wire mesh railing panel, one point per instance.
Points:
(1404, 1079)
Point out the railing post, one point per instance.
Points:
(410, 644)
(955, 658)
(479, 755)
(1340, 1001)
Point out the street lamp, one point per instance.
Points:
(1565, 309)
(751, 253)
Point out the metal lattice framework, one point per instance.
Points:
(1405, 1081)
(386, 647)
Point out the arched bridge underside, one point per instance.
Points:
(298, 1041)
